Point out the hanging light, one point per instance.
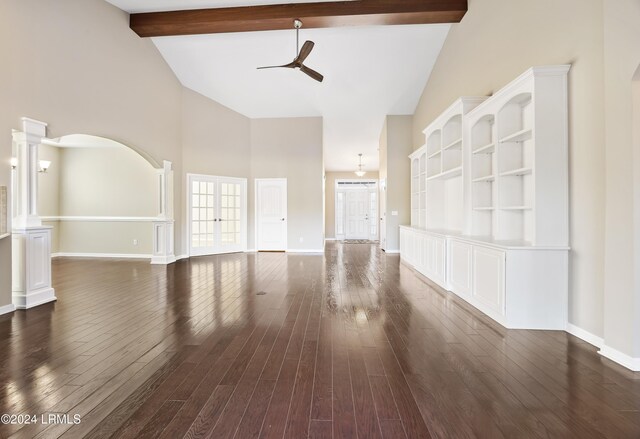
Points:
(360, 172)
(44, 165)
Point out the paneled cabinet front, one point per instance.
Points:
(489, 278)
(460, 267)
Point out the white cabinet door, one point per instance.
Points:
(460, 271)
(439, 255)
(420, 245)
(272, 214)
(488, 278)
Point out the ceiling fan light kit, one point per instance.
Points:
(301, 55)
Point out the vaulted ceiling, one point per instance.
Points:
(369, 71)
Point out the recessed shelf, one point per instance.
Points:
(516, 172)
(434, 154)
(451, 173)
(454, 145)
(487, 149)
(516, 208)
(485, 179)
(484, 208)
(519, 136)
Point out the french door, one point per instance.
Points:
(217, 214)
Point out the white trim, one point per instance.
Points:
(101, 255)
(331, 239)
(45, 295)
(7, 309)
(585, 335)
(620, 358)
(392, 252)
(251, 250)
(182, 257)
(6, 235)
(256, 238)
(295, 250)
(130, 219)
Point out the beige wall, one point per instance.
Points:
(76, 65)
(215, 139)
(292, 149)
(622, 208)
(496, 41)
(330, 197)
(395, 147)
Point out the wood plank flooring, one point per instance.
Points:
(349, 344)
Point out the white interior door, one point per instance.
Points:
(217, 214)
(383, 210)
(271, 214)
(203, 215)
(357, 215)
(232, 214)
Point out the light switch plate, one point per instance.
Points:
(394, 213)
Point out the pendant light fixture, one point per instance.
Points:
(360, 172)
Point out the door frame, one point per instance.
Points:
(344, 210)
(256, 236)
(244, 215)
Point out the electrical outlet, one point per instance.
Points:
(135, 242)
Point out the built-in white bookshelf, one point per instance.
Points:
(495, 229)
(444, 151)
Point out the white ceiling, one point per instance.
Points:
(369, 72)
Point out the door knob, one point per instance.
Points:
(215, 219)
(282, 219)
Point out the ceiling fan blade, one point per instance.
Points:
(286, 66)
(307, 47)
(315, 75)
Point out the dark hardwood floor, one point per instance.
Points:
(348, 344)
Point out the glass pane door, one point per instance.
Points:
(231, 205)
(204, 219)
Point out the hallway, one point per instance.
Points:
(346, 344)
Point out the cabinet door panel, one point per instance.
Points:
(488, 278)
(460, 268)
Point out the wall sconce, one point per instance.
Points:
(44, 165)
(14, 162)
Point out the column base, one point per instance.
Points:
(34, 298)
(163, 260)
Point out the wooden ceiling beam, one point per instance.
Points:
(313, 15)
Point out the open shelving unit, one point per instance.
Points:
(492, 207)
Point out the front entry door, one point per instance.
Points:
(271, 214)
(217, 214)
(357, 215)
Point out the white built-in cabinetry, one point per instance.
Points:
(491, 223)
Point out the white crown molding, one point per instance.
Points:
(101, 255)
(620, 358)
(7, 309)
(585, 335)
(109, 219)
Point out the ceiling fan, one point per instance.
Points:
(301, 55)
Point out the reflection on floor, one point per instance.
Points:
(347, 344)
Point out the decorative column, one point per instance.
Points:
(31, 241)
(163, 226)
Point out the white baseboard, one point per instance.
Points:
(101, 255)
(585, 335)
(620, 358)
(182, 257)
(331, 239)
(251, 250)
(296, 250)
(392, 252)
(34, 298)
(7, 309)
